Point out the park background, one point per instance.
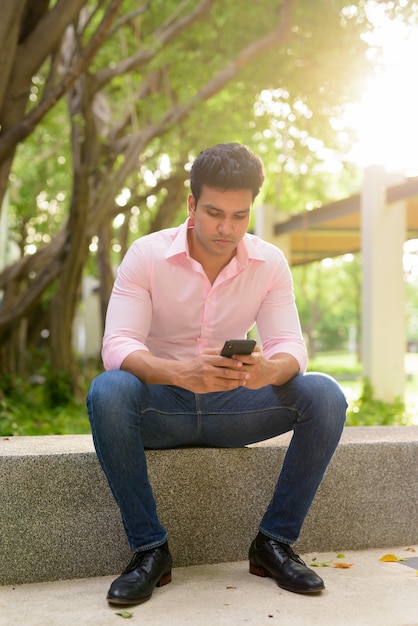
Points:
(103, 107)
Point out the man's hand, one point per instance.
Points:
(275, 371)
(212, 372)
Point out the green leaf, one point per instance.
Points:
(125, 614)
(340, 556)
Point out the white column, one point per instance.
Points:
(87, 328)
(383, 311)
(265, 219)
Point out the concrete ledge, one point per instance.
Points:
(58, 518)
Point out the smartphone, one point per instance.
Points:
(238, 346)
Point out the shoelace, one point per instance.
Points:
(289, 552)
(134, 562)
(137, 560)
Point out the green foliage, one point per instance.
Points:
(28, 414)
(363, 408)
(328, 300)
(57, 388)
(42, 405)
(39, 183)
(368, 411)
(411, 276)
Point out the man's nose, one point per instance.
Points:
(224, 226)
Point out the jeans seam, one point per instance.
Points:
(198, 417)
(292, 410)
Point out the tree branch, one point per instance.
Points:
(18, 133)
(128, 17)
(9, 33)
(45, 37)
(161, 37)
(179, 112)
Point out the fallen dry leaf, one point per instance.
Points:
(389, 558)
(342, 565)
(410, 549)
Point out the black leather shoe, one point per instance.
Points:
(145, 571)
(277, 560)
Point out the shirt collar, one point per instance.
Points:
(179, 244)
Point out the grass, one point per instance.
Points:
(34, 407)
(337, 364)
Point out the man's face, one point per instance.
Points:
(221, 220)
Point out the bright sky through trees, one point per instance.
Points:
(386, 120)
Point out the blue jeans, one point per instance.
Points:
(128, 417)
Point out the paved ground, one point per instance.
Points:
(370, 593)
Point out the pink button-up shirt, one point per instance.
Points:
(162, 301)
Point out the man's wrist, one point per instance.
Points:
(284, 367)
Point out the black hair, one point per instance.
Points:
(227, 166)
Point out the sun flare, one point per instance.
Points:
(386, 119)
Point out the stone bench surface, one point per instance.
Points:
(58, 518)
(72, 444)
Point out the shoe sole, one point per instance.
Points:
(260, 571)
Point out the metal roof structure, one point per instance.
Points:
(335, 229)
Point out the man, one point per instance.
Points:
(179, 294)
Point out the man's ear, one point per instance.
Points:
(191, 206)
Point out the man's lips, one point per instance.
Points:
(223, 242)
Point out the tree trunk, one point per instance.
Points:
(105, 270)
(66, 300)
